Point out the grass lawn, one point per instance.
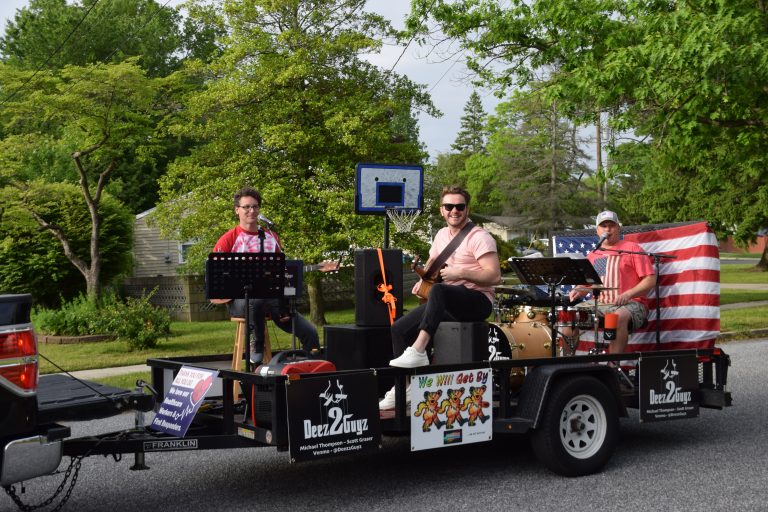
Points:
(742, 274)
(733, 296)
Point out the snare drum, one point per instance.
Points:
(528, 314)
(574, 317)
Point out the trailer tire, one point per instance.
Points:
(579, 427)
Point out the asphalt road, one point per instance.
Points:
(714, 462)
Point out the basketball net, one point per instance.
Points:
(403, 219)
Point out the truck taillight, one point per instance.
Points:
(17, 344)
(18, 359)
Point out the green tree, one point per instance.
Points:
(34, 263)
(688, 77)
(290, 108)
(533, 166)
(51, 34)
(100, 115)
(472, 133)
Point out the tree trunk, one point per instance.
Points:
(762, 265)
(316, 301)
(602, 186)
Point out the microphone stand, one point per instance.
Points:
(657, 256)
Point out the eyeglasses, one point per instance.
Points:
(249, 207)
(449, 207)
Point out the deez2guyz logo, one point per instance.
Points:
(333, 415)
(668, 388)
(674, 393)
(338, 420)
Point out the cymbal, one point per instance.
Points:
(593, 288)
(505, 288)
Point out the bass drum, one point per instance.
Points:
(528, 340)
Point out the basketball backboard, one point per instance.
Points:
(382, 186)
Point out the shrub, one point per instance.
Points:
(136, 321)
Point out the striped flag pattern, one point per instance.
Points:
(689, 285)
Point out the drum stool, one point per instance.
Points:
(460, 342)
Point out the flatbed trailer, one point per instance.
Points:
(570, 405)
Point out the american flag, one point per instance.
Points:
(689, 286)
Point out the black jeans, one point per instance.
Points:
(449, 303)
(260, 308)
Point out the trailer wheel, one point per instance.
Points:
(579, 427)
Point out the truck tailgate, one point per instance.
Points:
(61, 397)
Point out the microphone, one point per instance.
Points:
(266, 221)
(603, 238)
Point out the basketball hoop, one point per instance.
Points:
(403, 219)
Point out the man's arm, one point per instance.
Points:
(489, 273)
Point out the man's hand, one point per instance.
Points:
(220, 301)
(574, 295)
(623, 299)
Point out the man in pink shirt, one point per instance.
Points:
(631, 275)
(249, 236)
(464, 295)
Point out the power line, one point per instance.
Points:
(52, 55)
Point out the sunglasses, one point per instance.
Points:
(459, 207)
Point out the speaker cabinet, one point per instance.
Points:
(352, 347)
(460, 342)
(370, 311)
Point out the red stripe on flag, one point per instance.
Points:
(685, 324)
(669, 233)
(690, 276)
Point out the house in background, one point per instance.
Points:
(155, 265)
(757, 247)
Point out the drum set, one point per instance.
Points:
(522, 326)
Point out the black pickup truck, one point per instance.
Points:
(31, 442)
(569, 404)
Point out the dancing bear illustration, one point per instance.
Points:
(428, 410)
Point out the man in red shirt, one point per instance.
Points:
(249, 236)
(630, 275)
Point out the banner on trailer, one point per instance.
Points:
(451, 408)
(183, 400)
(669, 388)
(330, 416)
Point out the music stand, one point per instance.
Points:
(554, 272)
(237, 275)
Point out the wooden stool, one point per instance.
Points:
(241, 343)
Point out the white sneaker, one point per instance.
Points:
(388, 402)
(410, 359)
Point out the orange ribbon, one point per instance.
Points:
(385, 288)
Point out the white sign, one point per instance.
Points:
(451, 408)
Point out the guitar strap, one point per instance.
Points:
(438, 263)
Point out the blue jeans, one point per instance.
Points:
(278, 311)
(447, 303)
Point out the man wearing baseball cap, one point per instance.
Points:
(628, 276)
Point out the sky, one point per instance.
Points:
(445, 81)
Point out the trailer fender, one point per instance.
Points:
(539, 381)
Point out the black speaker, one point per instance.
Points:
(370, 311)
(460, 342)
(352, 347)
